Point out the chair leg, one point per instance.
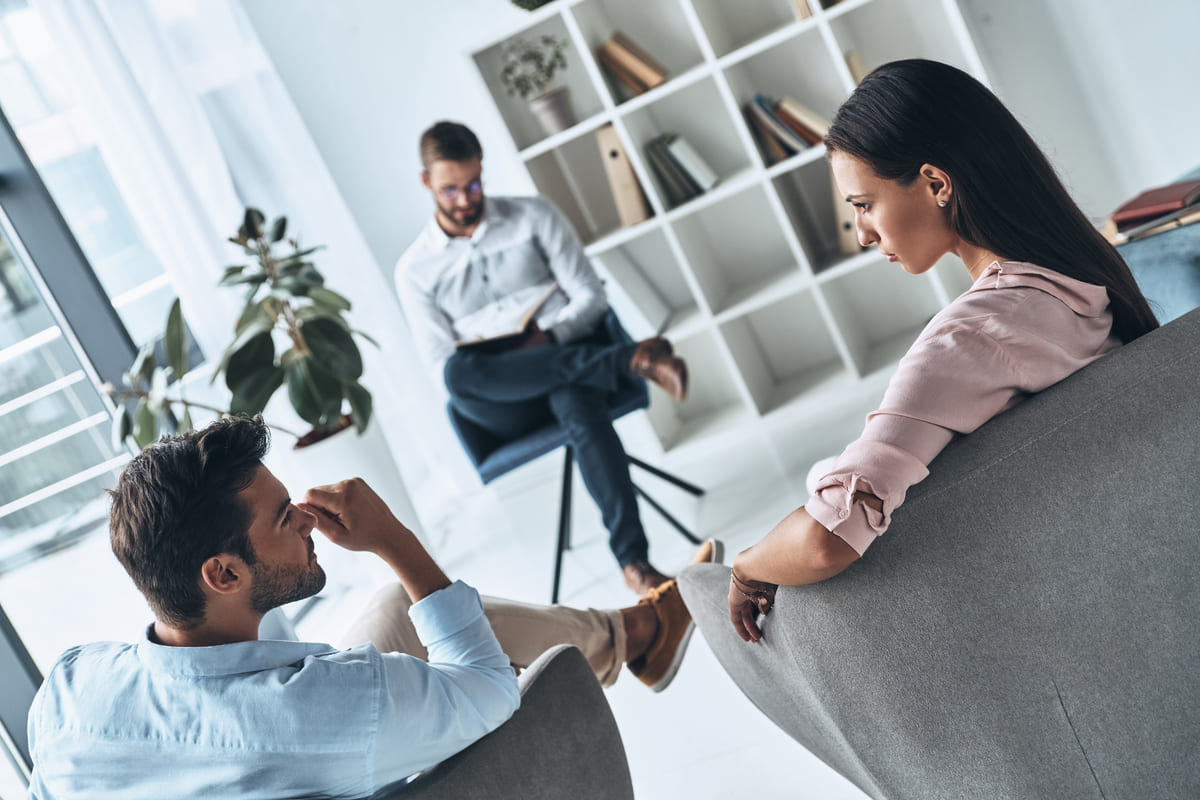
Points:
(690, 488)
(564, 523)
(666, 515)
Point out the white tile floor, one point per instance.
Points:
(701, 738)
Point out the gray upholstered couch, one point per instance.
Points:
(561, 743)
(1029, 627)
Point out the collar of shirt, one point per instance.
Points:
(438, 239)
(1085, 299)
(225, 659)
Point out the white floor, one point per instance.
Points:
(701, 738)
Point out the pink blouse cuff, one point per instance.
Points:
(857, 524)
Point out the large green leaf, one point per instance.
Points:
(254, 317)
(256, 355)
(278, 229)
(315, 392)
(360, 405)
(252, 222)
(314, 311)
(334, 347)
(329, 299)
(254, 390)
(143, 365)
(157, 398)
(175, 340)
(255, 278)
(145, 425)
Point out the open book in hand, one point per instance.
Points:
(511, 335)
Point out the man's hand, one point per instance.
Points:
(536, 338)
(352, 516)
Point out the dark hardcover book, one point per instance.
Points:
(1156, 202)
(773, 151)
(676, 191)
(764, 107)
(681, 175)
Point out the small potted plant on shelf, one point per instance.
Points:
(287, 304)
(528, 69)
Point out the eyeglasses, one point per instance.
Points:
(451, 193)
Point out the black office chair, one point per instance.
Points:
(493, 456)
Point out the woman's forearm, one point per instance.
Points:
(798, 550)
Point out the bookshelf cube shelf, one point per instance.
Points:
(797, 67)
(784, 351)
(568, 175)
(715, 138)
(647, 287)
(878, 311)
(737, 251)
(731, 26)
(776, 320)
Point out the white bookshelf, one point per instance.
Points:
(775, 321)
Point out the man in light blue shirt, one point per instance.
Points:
(203, 708)
(477, 270)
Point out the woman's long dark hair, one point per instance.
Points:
(1007, 198)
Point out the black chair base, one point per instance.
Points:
(564, 509)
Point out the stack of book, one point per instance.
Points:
(1162, 207)
(681, 171)
(631, 69)
(783, 127)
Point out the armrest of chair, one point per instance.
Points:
(561, 742)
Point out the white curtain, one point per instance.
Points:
(194, 124)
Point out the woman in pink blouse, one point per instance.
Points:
(933, 163)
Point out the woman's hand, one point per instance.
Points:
(748, 599)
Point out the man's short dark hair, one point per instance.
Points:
(176, 505)
(449, 141)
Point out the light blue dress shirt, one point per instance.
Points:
(268, 719)
(450, 286)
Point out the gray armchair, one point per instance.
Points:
(1029, 627)
(561, 743)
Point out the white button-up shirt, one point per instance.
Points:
(457, 288)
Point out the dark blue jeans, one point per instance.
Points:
(516, 392)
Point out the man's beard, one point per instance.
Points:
(277, 586)
(453, 214)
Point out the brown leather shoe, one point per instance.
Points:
(655, 360)
(657, 667)
(641, 576)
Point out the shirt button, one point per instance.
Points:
(842, 513)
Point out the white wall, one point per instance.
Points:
(1107, 87)
(368, 76)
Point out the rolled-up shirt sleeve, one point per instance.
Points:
(952, 381)
(431, 710)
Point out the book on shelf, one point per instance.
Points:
(691, 161)
(815, 124)
(635, 61)
(508, 334)
(803, 131)
(764, 108)
(1156, 202)
(624, 82)
(773, 151)
(801, 9)
(626, 191)
(639, 306)
(677, 186)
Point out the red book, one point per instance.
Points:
(1156, 202)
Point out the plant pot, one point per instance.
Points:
(553, 110)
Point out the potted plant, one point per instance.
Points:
(528, 69)
(292, 332)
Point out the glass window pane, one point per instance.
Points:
(56, 461)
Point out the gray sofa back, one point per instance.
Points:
(1029, 627)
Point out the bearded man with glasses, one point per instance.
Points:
(510, 275)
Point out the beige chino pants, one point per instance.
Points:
(524, 630)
